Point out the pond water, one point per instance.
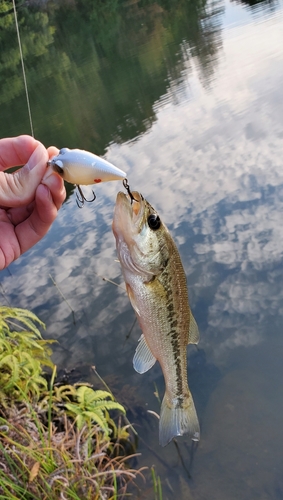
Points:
(186, 97)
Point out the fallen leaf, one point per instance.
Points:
(34, 471)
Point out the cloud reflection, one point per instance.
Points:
(212, 166)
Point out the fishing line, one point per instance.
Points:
(23, 67)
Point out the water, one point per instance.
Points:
(186, 97)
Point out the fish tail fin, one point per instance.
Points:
(176, 421)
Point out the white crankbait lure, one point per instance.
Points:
(82, 167)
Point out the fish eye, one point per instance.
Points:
(154, 222)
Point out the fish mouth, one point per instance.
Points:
(133, 205)
(128, 214)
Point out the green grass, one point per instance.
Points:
(55, 441)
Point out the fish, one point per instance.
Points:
(83, 167)
(157, 288)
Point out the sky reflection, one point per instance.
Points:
(211, 164)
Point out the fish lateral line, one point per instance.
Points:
(156, 279)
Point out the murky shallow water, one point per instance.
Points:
(188, 100)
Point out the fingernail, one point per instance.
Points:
(48, 173)
(47, 190)
(53, 181)
(38, 156)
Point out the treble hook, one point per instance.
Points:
(81, 199)
(127, 187)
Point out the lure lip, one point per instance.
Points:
(83, 167)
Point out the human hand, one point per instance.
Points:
(29, 198)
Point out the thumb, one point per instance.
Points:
(19, 188)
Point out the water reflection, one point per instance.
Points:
(89, 63)
(209, 96)
(258, 4)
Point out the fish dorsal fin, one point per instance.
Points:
(193, 331)
(143, 358)
(132, 298)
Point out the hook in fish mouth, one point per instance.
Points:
(127, 187)
(80, 200)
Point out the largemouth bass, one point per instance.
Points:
(156, 286)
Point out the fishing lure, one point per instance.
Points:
(82, 167)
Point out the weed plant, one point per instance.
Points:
(56, 442)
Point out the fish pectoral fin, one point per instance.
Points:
(193, 331)
(132, 299)
(143, 358)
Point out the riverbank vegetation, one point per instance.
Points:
(56, 440)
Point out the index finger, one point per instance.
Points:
(16, 151)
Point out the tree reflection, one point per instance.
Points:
(96, 69)
(257, 3)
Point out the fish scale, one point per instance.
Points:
(156, 286)
(176, 385)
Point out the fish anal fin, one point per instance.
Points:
(143, 358)
(132, 298)
(176, 421)
(193, 331)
